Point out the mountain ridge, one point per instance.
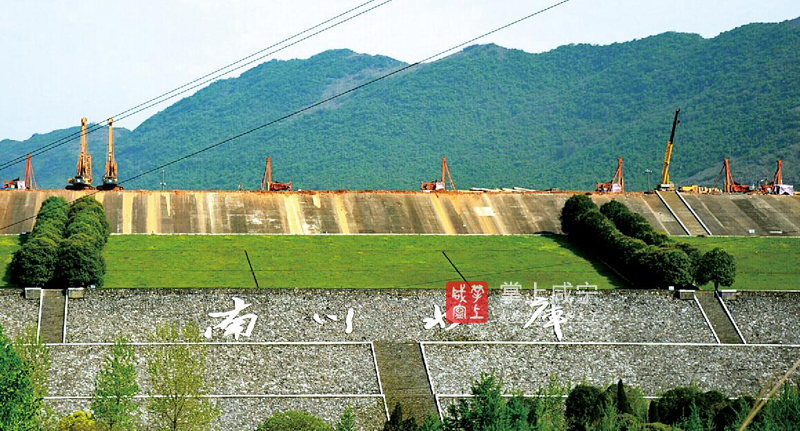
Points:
(502, 116)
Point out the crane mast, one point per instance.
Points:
(110, 180)
(665, 182)
(83, 176)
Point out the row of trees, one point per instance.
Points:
(65, 247)
(647, 256)
(176, 374)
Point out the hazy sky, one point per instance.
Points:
(63, 60)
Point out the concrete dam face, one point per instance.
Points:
(398, 212)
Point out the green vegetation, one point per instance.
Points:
(178, 374)
(115, 388)
(347, 261)
(761, 263)
(34, 264)
(555, 119)
(294, 421)
(19, 402)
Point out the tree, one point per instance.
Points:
(623, 406)
(574, 207)
(488, 409)
(78, 421)
(431, 423)
(585, 407)
(115, 386)
(717, 266)
(294, 421)
(397, 422)
(36, 357)
(177, 381)
(347, 422)
(19, 404)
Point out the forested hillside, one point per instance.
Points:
(502, 117)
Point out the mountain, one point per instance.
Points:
(502, 117)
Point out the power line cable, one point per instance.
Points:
(321, 102)
(202, 80)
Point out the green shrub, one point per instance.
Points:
(585, 407)
(717, 266)
(19, 405)
(54, 211)
(78, 421)
(80, 262)
(574, 207)
(33, 265)
(294, 421)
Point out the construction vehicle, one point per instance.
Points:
(268, 185)
(83, 177)
(28, 184)
(777, 187)
(110, 181)
(728, 184)
(617, 184)
(666, 184)
(434, 185)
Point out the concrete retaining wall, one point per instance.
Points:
(354, 212)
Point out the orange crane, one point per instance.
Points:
(83, 178)
(439, 185)
(777, 187)
(110, 181)
(268, 185)
(666, 184)
(617, 184)
(28, 184)
(729, 185)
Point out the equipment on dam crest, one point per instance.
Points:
(665, 184)
(83, 177)
(777, 187)
(268, 185)
(110, 181)
(729, 185)
(439, 185)
(28, 184)
(617, 184)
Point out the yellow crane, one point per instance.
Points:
(666, 184)
(110, 180)
(83, 177)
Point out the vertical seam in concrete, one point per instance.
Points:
(199, 205)
(127, 213)
(441, 215)
(498, 225)
(292, 207)
(152, 223)
(708, 322)
(378, 375)
(341, 214)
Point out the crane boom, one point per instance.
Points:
(110, 181)
(665, 182)
(83, 176)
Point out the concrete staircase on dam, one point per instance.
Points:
(404, 379)
(51, 321)
(718, 317)
(684, 214)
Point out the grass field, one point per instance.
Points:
(396, 261)
(762, 263)
(346, 261)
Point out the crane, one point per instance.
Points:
(777, 187)
(439, 185)
(729, 185)
(110, 181)
(28, 184)
(268, 185)
(665, 184)
(83, 178)
(617, 184)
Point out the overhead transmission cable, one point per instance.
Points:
(323, 101)
(239, 64)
